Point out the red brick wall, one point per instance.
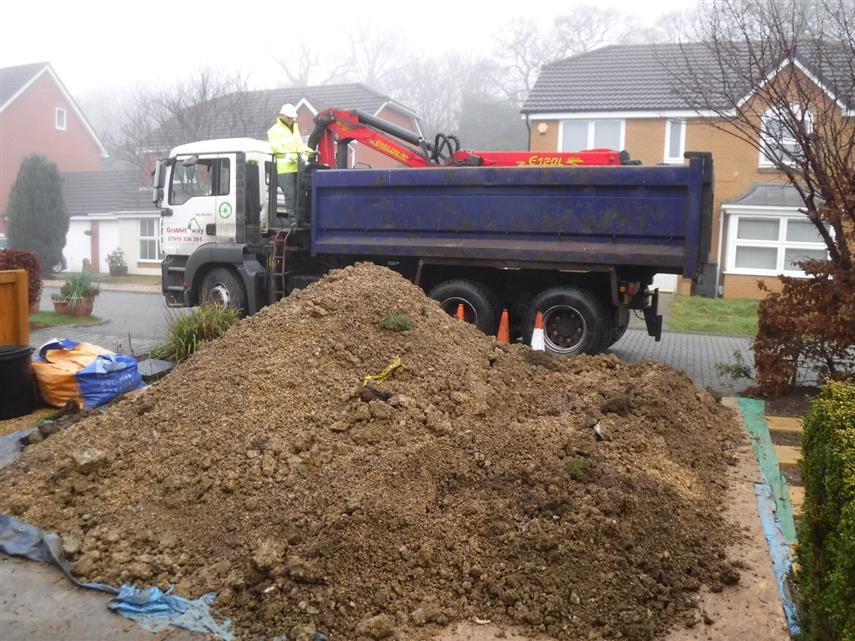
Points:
(27, 126)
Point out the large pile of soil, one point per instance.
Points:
(576, 497)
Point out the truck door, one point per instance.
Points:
(199, 188)
(225, 199)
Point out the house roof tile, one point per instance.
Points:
(13, 79)
(643, 78)
(102, 192)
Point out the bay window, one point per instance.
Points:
(764, 244)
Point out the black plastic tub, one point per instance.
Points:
(17, 393)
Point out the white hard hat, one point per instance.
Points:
(288, 110)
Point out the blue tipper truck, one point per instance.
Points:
(579, 244)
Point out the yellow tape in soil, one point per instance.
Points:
(386, 373)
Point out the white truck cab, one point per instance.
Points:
(218, 202)
(203, 188)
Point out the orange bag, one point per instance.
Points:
(67, 370)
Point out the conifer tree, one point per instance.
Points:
(37, 219)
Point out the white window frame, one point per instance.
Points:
(155, 238)
(781, 244)
(674, 160)
(764, 160)
(64, 125)
(591, 132)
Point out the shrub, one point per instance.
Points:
(76, 288)
(188, 331)
(22, 259)
(809, 326)
(36, 213)
(116, 258)
(578, 468)
(826, 534)
(737, 369)
(396, 323)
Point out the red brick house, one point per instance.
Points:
(38, 115)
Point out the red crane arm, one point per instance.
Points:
(335, 128)
(537, 158)
(338, 127)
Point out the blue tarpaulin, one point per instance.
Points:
(150, 607)
(156, 610)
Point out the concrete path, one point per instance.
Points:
(37, 603)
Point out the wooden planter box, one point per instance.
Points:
(77, 308)
(14, 321)
(118, 270)
(81, 307)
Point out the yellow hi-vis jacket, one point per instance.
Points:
(287, 144)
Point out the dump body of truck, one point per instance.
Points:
(656, 217)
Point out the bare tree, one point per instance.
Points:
(377, 59)
(523, 48)
(206, 105)
(589, 27)
(521, 51)
(782, 80)
(669, 27)
(306, 66)
(437, 88)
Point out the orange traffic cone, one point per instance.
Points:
(504, 335)
(460, 311)
(537, 335)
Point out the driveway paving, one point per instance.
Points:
(133, 321)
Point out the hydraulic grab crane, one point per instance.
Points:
(335, 128)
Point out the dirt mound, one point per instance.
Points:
(576, 497)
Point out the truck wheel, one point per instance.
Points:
(574, 321)
(619, 326)
(221, 286)
(480, 305)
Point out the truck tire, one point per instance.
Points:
(574, 321)
(619, 326)
(480, 304)
(221, 286)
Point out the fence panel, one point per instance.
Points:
(14, 308)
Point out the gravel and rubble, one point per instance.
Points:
(579, 498)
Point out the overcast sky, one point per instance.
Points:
(99, 46)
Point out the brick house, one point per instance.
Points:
(110, 210)
(38, 115)
(621, 97)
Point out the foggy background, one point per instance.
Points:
(464, 67)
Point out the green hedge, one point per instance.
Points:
(826, 535)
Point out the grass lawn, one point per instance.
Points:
(130, 279)
(40, 320)
(713, 315)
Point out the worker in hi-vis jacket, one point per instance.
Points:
(287, 143)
